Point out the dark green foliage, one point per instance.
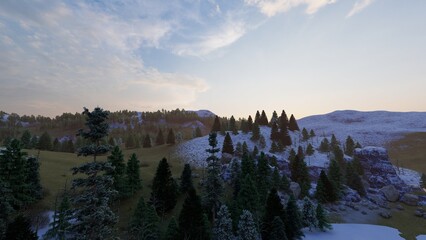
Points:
(275, 135)
(300, 174)
(309, 218)
(263, 174)
(58, 227)
(191, 220)
(134, 181)
(310, 150)
(324, 146)
(34, 141)
(255, 132)
(356, 163)
(198, 132)
(292, 124)
(339, 156)
(285, 184)
(277, 230)
(116, 159)
(244, 126)
(248, 197)
(300, 152)
(186, 179)
(216, 125)
(172, 232)
(159, 140)
(20, 229)
(274, 147)
(293, 221)
(291, 156)
(235, 180)
(145, 222)
(7, 140)
(130, 141)
(274, 118)
(263, 121)
(32, 178)
(45, 142)
(283, 121)
(353, 180)
(273, 209)
(312, 133)
(238, 149)
(233, 126)
(228, 146)
(6, 209)
(247, 229)
(349, 146)
(323, 223)
(335, 176)
(257, 118)
(223, 225)
(68, 146)
(325, 189)
(305, 134)
(26, 139)
(250, 123)
(213, 188)
(147, 141)
(262, 142)
(56, 145)
(164, 189)
(423, 181)
(276, 179)
(171, 138)
(245, 149)
(247, 165)
(334, 142)
(285, 137)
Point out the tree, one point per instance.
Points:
(164, 188)
(323, 223)
(213, 188)
(309, 218)
(93, 218)
(130, 141)
(263, 174)
(247, 165)
(145, 222)
(147, 141)
(186, 179)
(216, 125)
(247, 227)
(6, 209)
(349, 146)
(312, 133)
(68, 146)
(275, 135)
(32, 178)
(244, 126)
(116, 159)
(257, 118)
(333, 141)
(274, 118)
(285, 184)
(45, 142)
(172, 232)
(277, 230)
(171, 138)
(324, 146)
(263, 121)
(262, 142)
(228, 146)
(255, 132)
(305, 134)
(250, 123)
(134, 181)
(325, 189)
(20, 229)
(61, 220)
(335, 177)
(292, 124)
(354, 181)
(310, 150)
(248, 198)
(285, 137)
(26, 139)
(293, 221)
(423, 181)
(34, 141)
(56, 145)
(223, 226)
(191, 223)
(273, 209)
(233, 125)
(159, 140)
(300, 174)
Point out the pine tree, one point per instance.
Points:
(305, 134)
(275, 135)
(56, 145)
(353, 180)
(333, 141)
(245, 150)
(171, 139)
(144, 223)
(172, 232)
(6, 209)
(186, 179)
(309, 218)
(191, 223)
(310, 150)
(312, 133)
(159, 140)
(223, 225)
(247, 166)
(293, 221)
(228, 146)
(292, 124)
(323, 223)
(263, 174)
(263, 121)
(285, 184)
(248, 198)
(244, 126)
(61, 220)
(273, 209)
(93, 218)
(216, 125)
(224, 126)
(257, 118)
(250, 123)
(20, 229)
(262, 142)
(233, 126)
(335, 176)
(277, 230)
(26, 139)
(116, 159)
(325, 190)
(274, 148)
(285, 137)
(300, 153)
(255, 151)
(45, 142)
(34, 142)
(235, 177)
(349, 146)
(324, 146)
(274, 118)
(255, 132)
(300, 174)
(356, 163)
(134, 181)
(32, 178)
(69, 146)
(164, 189)
(247, 227)
(147, 141)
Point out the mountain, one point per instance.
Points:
(369, 128)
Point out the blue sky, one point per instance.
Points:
(232, 57)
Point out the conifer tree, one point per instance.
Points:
(309, 218)
(305, 134)
(26, 139)
(198, 132)
(171, 139)
(255, 151)
(235, 177)
(191, 223)
(32, 178)
(20, 229)
(263, 121)
(164, 189)
(292, 124)
(300, 174)
(116, 159)
(293, 219)
(238, 149)
(349, 146)
(310, 150)
(325, 190)
(283, 121)
(358, 145)
(147, 141)
(134, 182)
(247, 166)
(263, 174)
(248, 197)
(213, 188)
(262, 142)
(69, 146)
(255, 132)
(244, 126)
(285, 137)
(216, 125)
(34, 142)
(324, 146)
(257, 118)
(56, 147)
(353, 180)
(285, 184)
(6, 209)
(274, 118)
(61, 220)
(144, 223)
(274, 148)
(273, 209)
(233, 126)
(223, 226)
(333, 141)
(186, 179)
(159, 140)
(45, 142)
(300, 152)
(335, 176)
(312, 133)
(276, 179)
(172, 232)
(131, 142)
(275, 135)
(356, 163)
(250, 123)
(247, 227)
(224, 126)
(323, 223)
(228, 146)
(245, 149)
(277, 230)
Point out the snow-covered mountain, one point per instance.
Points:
(369, 128)
(203, 113)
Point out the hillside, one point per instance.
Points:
(369, 128)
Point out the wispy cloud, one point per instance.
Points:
(359, 6)
(272, 7)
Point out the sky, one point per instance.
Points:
(232, 57)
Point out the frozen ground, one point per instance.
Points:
(410, 177)
(369, 128)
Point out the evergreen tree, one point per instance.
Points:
(144, 223)
(324, 146)
(235, 177)
(250, 123)
(359, 169)
(285, 184)
(274, 118)
(130, 141)
(275, 135)
(32, 178)
(58, 227)
(325, 189)
(191, 223)
(309, 218)
(247, 166)
(164, 188)
(255, 151)
(292, 124)
(228, 146)
(171, 139)
(216, 125)
(213, 188)
(312, 133)
(159, 140)
(247, 227)
(238, 149)
(335, 176)
(274, 148)
(285, 137)
(310, 150)
(244, 126)
(186, 179)
(262, 142)
(300, 153)
(26, 139)
(273, 209)
(423, 181)
(116, 159)
(224, 126)
(305, 134)
(245, 150)
(69, 146)
(277, 230)
(6, 209)
(339, 156)
(263, 121)
(93, 218)
(223, 225)
(353, 180)
(349, 146)
(56, 145)
(255, 132)
(333, 141)
(293, 221)
(257, 118)
(134, 181)
(147, 141)
(34, 142)
(276, 179)
(233, 126)
(172, 232)
(7, 140)
(248, 198)
(45, 142)
(300, 174)
(323, 223)
(20, 229)
(263, 175)
(198, 132)
(283, 121)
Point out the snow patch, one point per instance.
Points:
(410, 177)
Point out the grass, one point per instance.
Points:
(409, 152)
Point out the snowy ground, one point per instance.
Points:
(410, 177)
(369, 128)
(43, 230)
(355, 232)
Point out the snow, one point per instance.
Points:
(369, 128)
(355, 232)
(421, 237)
(43, 230)
(408, 176)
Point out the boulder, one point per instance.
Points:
(385, 214)
(295, 189)
(390, 192)
(418, 213)
(410, 199)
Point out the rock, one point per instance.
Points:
(342, 208)
(295, 188)
(355, 207)
(350, 195)
(385, 214)
(410, 199)
(377, 199)
(390, 192)
(418, 213)
(399, 207)
(364, 212)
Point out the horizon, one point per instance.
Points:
(306, 57)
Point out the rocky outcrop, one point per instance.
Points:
(390, 192)
(410, 199)
(295, 189)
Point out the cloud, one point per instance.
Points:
(359, 6)
(272, 7)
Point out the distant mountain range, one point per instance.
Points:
(369, 128)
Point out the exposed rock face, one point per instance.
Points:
(378, 169)
(410, 199)
(295, 188)
(390, 192)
